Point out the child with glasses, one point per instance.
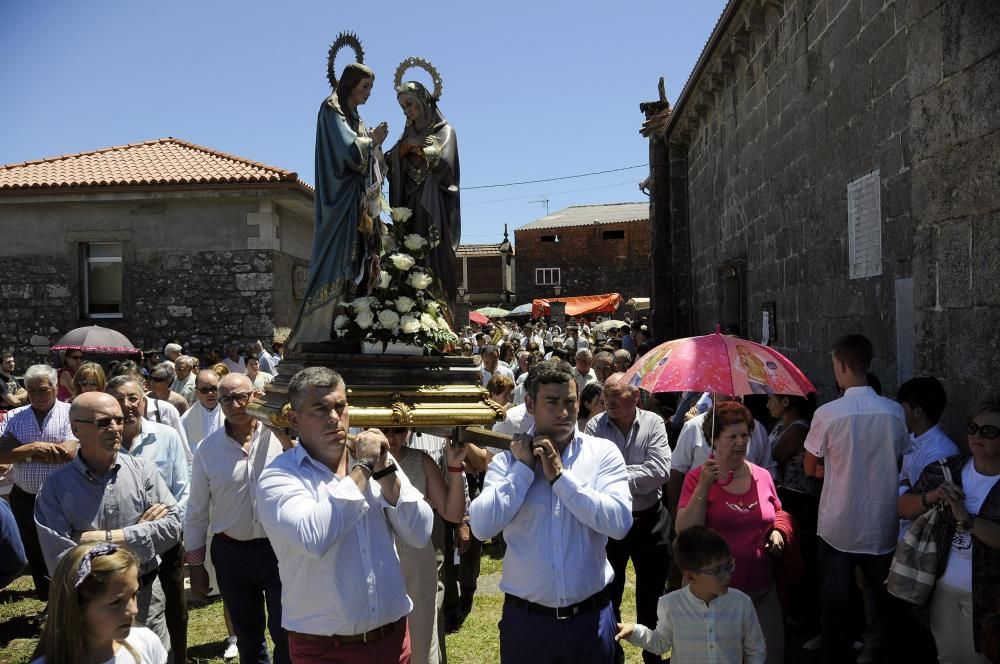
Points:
(705, 620)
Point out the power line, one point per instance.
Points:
(565, 177)
(553, 193)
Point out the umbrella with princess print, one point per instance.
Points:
(96, 339)
(717, 363)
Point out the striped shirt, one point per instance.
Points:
(22, 424)
(722, 631)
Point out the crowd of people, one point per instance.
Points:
(747, 520)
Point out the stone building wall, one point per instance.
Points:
(197, 269)
(588, 263)
(800, 98)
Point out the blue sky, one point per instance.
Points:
(534, 89)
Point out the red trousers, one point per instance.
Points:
(393, 648)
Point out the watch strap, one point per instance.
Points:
(367, 465)
(385, 472)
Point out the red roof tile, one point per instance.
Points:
(167, 161)
(492, 249)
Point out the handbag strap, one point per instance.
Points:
(946, 471)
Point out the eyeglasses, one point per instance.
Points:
(105, 422)
(239, 397)
(986, 431)
(720, 572)
(131, 399)
(207, 390)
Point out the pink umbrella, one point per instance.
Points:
(477, 317)
(717, 363)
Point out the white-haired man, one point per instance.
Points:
(184, 382)
(37, 439)
(583, 372)
(172, 351)
(205, 417)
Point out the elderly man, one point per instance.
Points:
(162, 446)
(331, 507)
(622, 360)
(233, 360)
(642, 439)
(108, 496)
(223, 519)
(12, 395)
(37, 439)
(184, 383)
(603, 365)
(161, 378)
(558, 496)
(172, 351)
(205, 417)
(583, 372)
(491, 365)
(268, 363)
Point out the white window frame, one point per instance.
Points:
(548, 276)
(89, 260)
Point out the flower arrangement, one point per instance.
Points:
(401, 309)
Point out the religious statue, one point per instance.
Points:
(349, 166)
(424, 176)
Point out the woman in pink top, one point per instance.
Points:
(739, 500)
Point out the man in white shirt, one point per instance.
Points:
(491, 365)
(557, 497)
(233, 360)
(223, 504)
(923, 400)
(331, 507)
(859, 438)
(582, 372)
(205, 417)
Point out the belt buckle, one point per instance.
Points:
(567, 612)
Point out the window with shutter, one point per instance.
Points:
(102, 280)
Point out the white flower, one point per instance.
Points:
(362, 304)
(419, 280)
(432, 307)
(427, 322)
(402, 262)
(403, 304)
(388, 243)
(442, 324)
(400, 214)
(365, 319)
(340, 322)
(388, 319)
(409, 325)
(384, 279)
(414, 242)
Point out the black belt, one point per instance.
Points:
(226, 538)
(598, 600)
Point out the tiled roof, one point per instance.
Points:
(167, 161)
(492, 249)
(586, 215)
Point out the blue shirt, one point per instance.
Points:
(162, 445)
(556, 534)
(646, 451)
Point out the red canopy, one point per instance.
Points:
(579, 306)
(478, 318)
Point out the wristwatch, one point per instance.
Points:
(385, 472)
(107, 535)
(965, 525)
(366, 465)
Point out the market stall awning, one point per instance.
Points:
(579, 306)
(638, 303)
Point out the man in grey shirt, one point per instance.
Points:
(107, 496)
(642, 439)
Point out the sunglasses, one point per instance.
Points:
(241, 397)
(985, 431)
(105, 422)
(721, 571)
(208, 390)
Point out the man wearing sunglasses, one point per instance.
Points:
(37, 439)
(104, 495)
(223, 517)
(205, 417)
(164, 447)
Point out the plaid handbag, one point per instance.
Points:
(914, 567)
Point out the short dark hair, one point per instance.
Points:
(699, 546)
(854, 350)
(489, 348)
(253, 356)
(726, 413)
(926, 393)
(548, 372)
(322, 377)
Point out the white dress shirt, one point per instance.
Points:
(235, 366)
(556, 534)
(501, 369)
(164, 412)
(692, 449)
(224, 489)
(339, 569)
(516, 420)
(860, 437)
(200, 422)
(724, 630)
